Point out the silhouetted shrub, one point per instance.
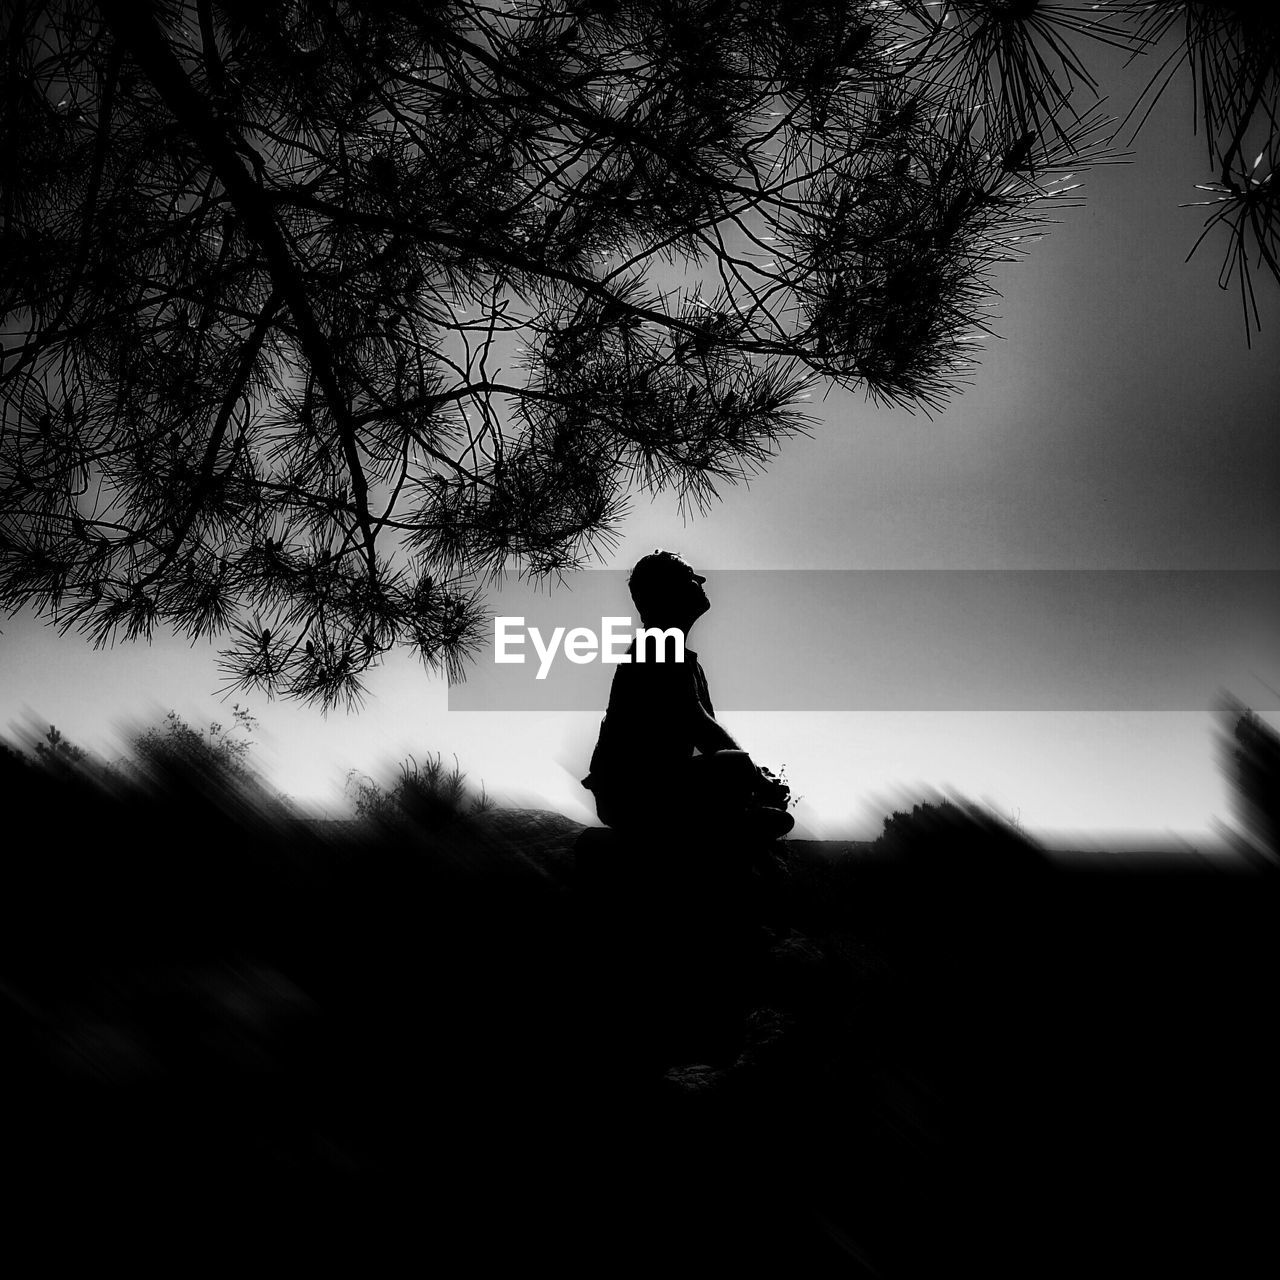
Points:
(1252, 764)
(954, 841)
(425, 796)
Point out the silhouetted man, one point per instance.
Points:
(662, 759)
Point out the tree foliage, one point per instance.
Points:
(1232, 50)
(320, 313)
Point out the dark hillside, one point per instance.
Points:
(500, 1040)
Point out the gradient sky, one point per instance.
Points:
(1119, 422)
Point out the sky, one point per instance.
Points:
(1120, 422)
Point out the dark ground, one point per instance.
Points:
(499, 1044)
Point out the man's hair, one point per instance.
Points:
(651, 579)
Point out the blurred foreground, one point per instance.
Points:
(489, 1039)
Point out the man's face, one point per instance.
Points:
(691, 589)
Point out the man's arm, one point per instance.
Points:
(709, 735)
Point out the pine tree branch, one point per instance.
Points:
(207, 478)
(134, 25)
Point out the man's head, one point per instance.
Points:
(667, 592)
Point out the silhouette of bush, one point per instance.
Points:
(425, 796)
(950, 840)
(1251, 750)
